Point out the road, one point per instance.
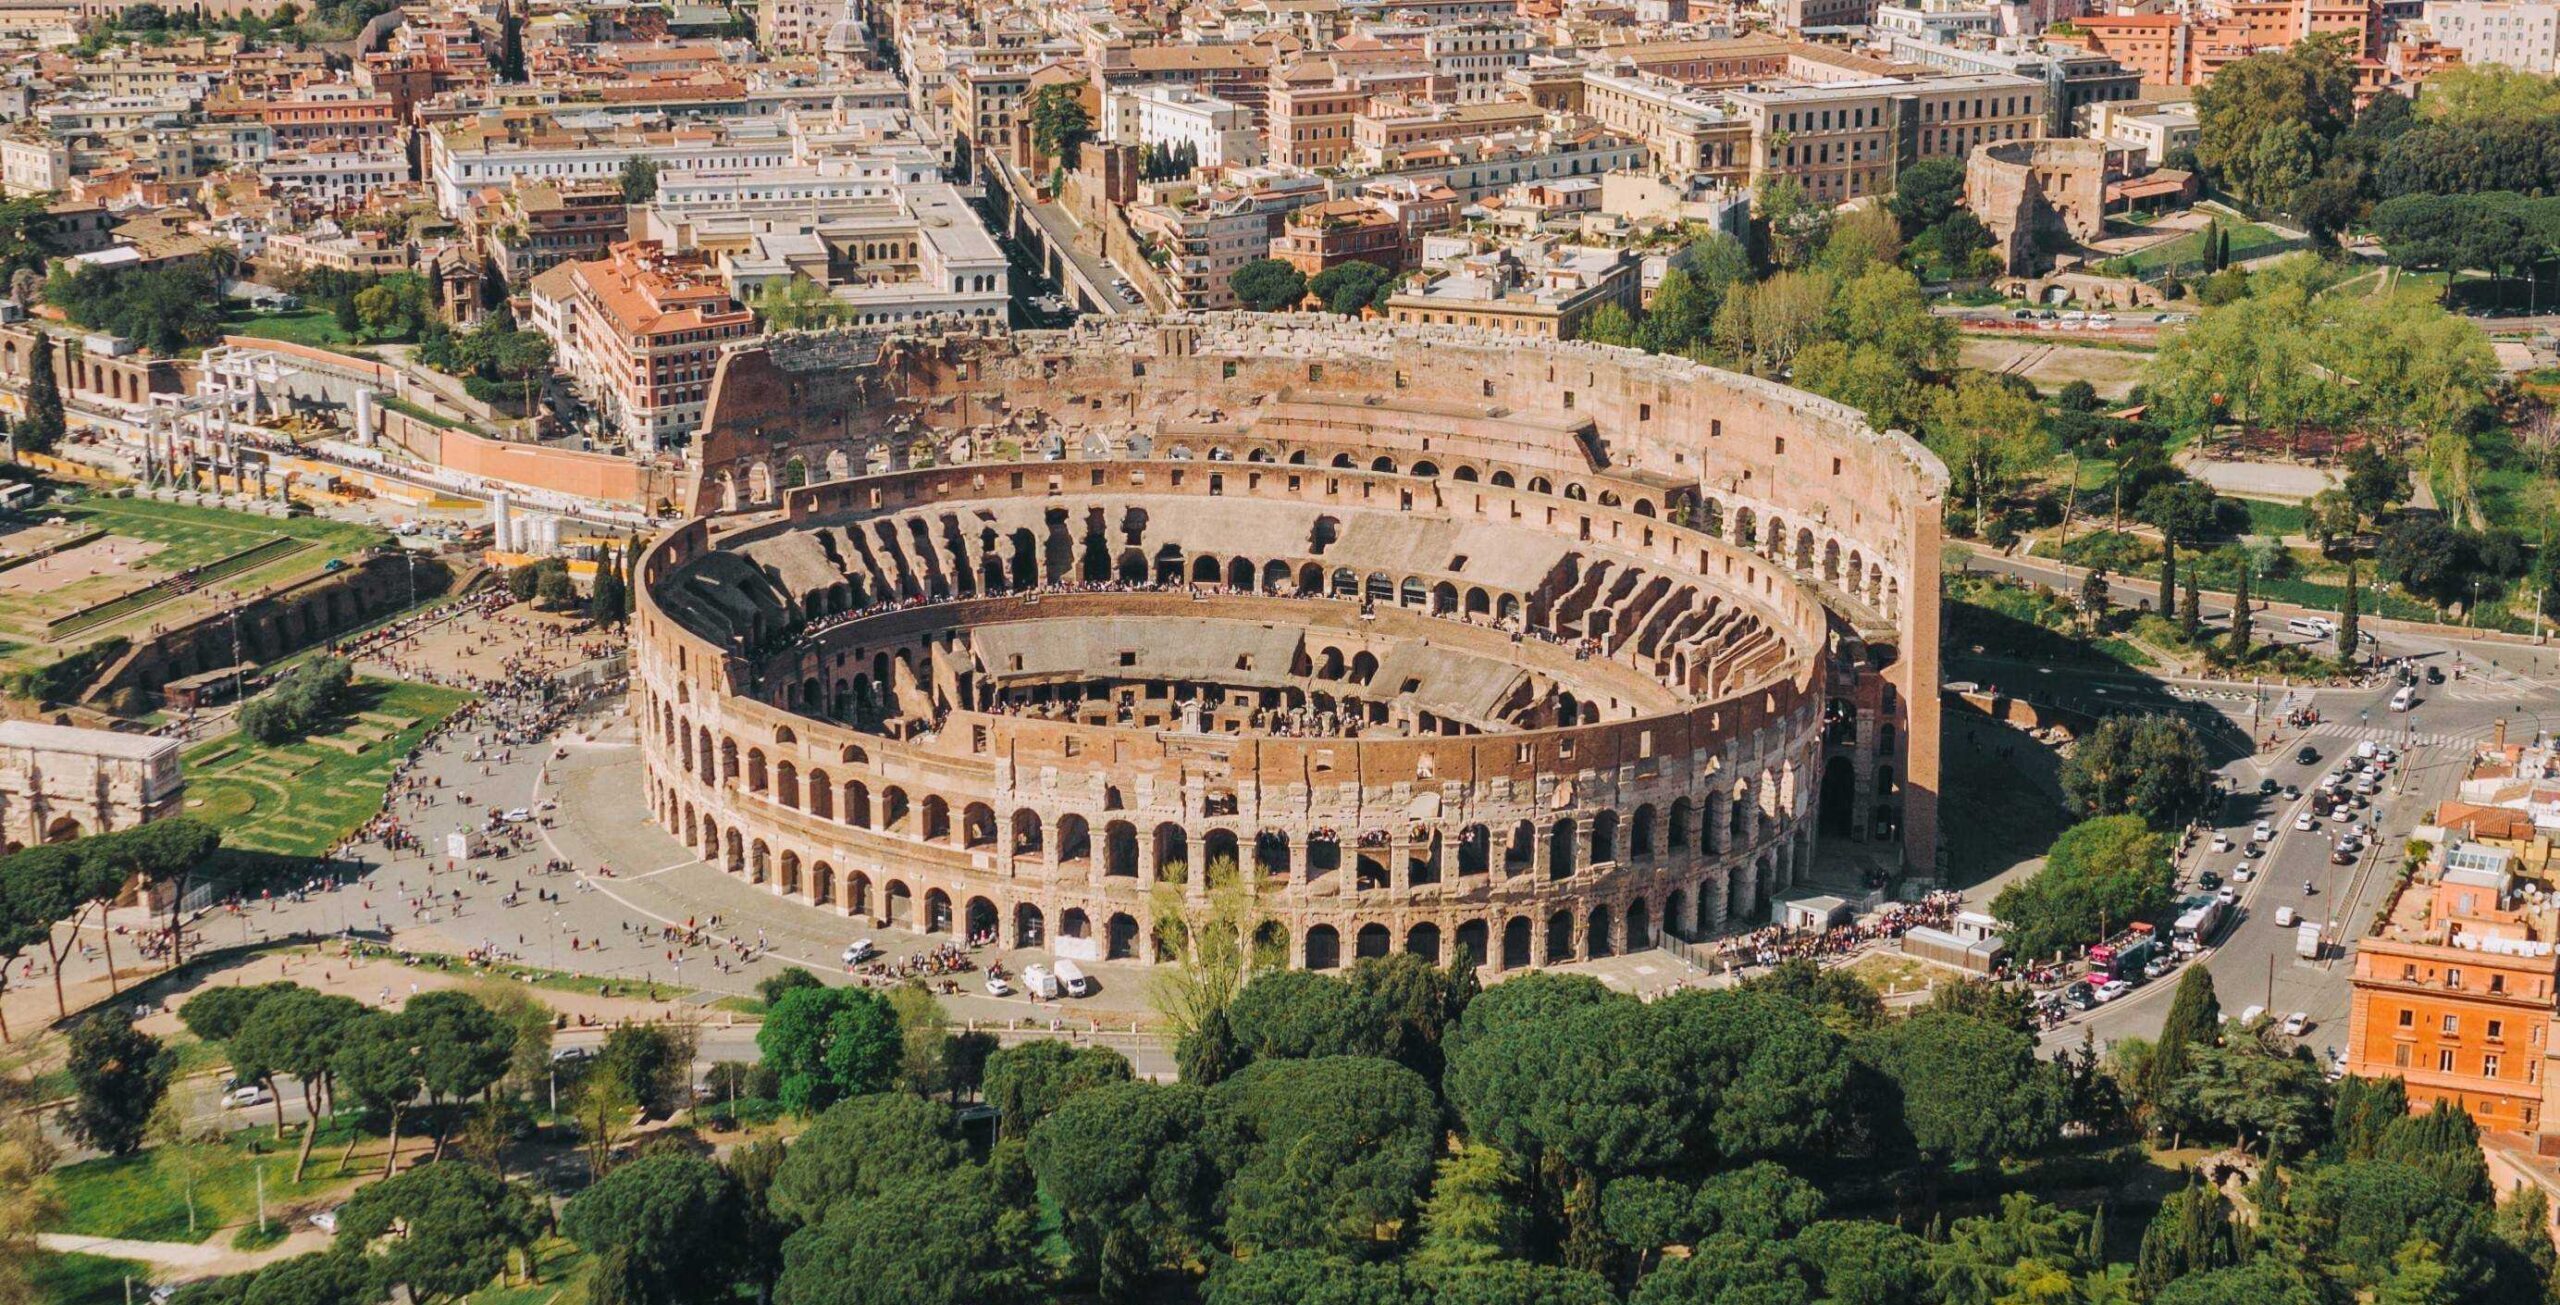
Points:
(2253, 961)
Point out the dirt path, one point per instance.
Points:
(185, 1259)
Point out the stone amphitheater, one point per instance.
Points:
(1421, 638)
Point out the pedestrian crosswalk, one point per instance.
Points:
(2395, 735)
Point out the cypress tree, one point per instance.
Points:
(44, 426)
(2240, 615)
(2194, 1019)
(2443, 1143)
(2191, 1234)
(2191, 612)
(2349, 636)
(2168, 570)
(2364, 1108)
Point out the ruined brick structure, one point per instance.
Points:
(2035, 195)
(1429, 638)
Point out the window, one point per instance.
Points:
(2489, 1066)
(2408, 1019)
(1129, 658)
(2453, 978)
(2444, 1062)
(2452, 1025)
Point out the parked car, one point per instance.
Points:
(860, 950)
(326, 1220)
(2208, 881)
(2305, 823)
(2112, 989)
(240, 1096)
(572, 1055)
(2297, 1024)
(997, 987)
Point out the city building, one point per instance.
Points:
(1536, 289)
(2516, 34)
(638, 333)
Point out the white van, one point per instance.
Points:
(2406, 698)
(2284, 917)
(1073, 980)
(1039, 982)
(2317, 627)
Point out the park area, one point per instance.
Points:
(104, 566)
(302, 798)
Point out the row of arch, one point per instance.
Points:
(1848, 571)
(1735, 896)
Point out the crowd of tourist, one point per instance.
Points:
(1777, 943)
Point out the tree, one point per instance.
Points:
(1473, 1214)
(553, 587)
(463, 1048)
(1348, 288)
(1268, 285)
(654, 1063)
(2243, 1088)
(2265, 122)
(377, 1062)
(2194, 1020)
(118, 1074)
(2076, 396)
(2192, 1233)
(1028, 1081)
(2360, 1213)
(862, 1147)
(1321, 1154)
(639, 180)
(828, 1044)
(671, 1224)
(1926, 194)
(2376, 481)
(44, 426)
(455, 1222)
(2154, 767)
(2444, 1144)
(2182, 510)
(2363, 1109)
(940, 1239)
(2350, 631)
(1059, 123)
(610, 604)
(2241, 618)
(1609, 324)
(1132, 1183)
(1972, 1091)
(297, 1032)
(1845, 1002)
(2428, 558)
(1989, 434)
(2100, 875)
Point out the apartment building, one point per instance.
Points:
(2074, 79)
(1338, 231)
(2149, 130)
(1845, 140)
(1219, 132)
(638, 333)
(914, 254)
(1311, 108)
(1468, 60)
(528, 228)
(1688, 132)
(2504, 33)
(497, 147)
(1390, 127)
(1535, 289)
(2457, 997)
(1207, 235)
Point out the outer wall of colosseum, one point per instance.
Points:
(1789, 552)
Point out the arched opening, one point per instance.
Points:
(1075, 841)
(1604, 838)
(1839, 798)
(1027, 831)
(1173, 854)
(1561, 839)
(1218, 857)
(1074, 923)
(1472, 937)
(1423, 940)
(1324, 948)
(1598, 941)
(1120, 849)
(897, 905)
(1675, 915)
(1120, 938)
(1029, 929)
(1639, 925)
(980, 921)
(1271, 854)
(1559, 937)
(937, 819)
(937, 911)
(1516, 939)
(1373, 940)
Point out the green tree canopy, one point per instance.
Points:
(830, 1043)
(2100, 875)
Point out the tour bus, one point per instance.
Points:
(2406, 698)
(1072, 979)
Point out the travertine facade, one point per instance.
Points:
(1533, 650)
(59, 783)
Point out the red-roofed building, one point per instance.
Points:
(639, 333)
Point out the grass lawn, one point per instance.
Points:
(2267, 518)
(2189, 248)
(300, 798)
(312, 326)
(74, 1279)
(565, 1269)
(429, 416)
(136, 1197)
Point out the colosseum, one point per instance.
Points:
(1426, 638)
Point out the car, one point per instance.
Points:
(860, 950)
(2344, 811)
(518, 815)
(2435, 675)
(2297, 1024)
(2023, 314)
(2221, 842)
(2264, 832)
(2255, 849)
(572, 1055)
(997, 987)
(2285, 918)
(2082, 995)
(326, 1220)
(240, 1096)
(2229, 896)
(2292, 791)
(2208, 881)
(2112, 989)
(2359, 801)
(2307, 755)
(2266, 787)
(2342, 854)
(2305, 823)
(2241, 874)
